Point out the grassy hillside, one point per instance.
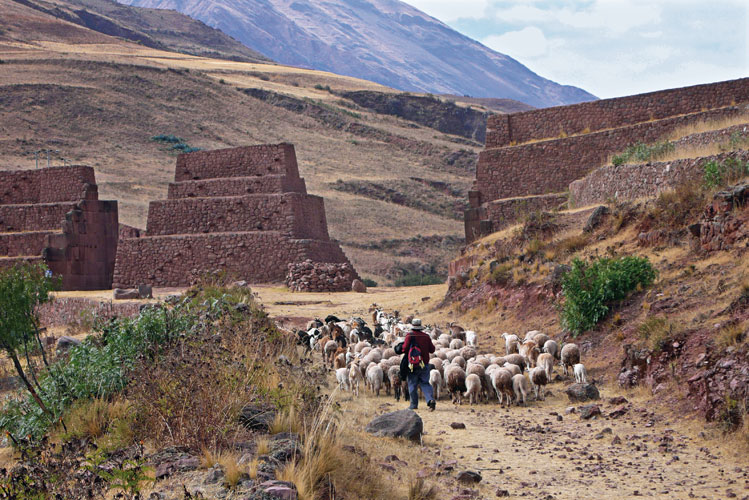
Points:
(99, 100)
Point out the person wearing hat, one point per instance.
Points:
(416, 349)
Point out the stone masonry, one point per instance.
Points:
(241, 210)
(54, 215)
(531, 157)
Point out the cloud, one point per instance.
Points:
(526, 43)
(451, 10)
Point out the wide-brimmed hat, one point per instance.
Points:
(416, 324)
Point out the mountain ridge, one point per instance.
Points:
(385, 41)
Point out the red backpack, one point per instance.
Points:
(414, 357)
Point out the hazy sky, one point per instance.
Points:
(610, 47)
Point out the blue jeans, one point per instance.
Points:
(419, 379)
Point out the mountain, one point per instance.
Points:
(158, 29)
(385, 41)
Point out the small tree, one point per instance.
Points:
(22, 289)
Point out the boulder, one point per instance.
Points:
(257, 417)
(469, 477)
(595, 218)
(358, 286)
(125, 293)
(582, 392)
(589, 411)
(145, 291)
(402, 423)
(64, 343)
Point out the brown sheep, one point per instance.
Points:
(502, 382)
(516, 359)
(456, 382)
(570, 357)
(541, 339)
(546, 361)
(538, 379)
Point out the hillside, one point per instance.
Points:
(385, 41)
(98, 100)
(158, 29)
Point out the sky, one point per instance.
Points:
(610, 48)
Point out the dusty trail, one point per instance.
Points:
(538, 451)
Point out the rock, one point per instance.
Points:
(502, 493)
(279, 489)
(285, 448)
(595, 218)
(616, 440)
(582, 392)
(125, 293)
(64, 343)
(214, 475)
(618, 400)
(458, 425)
(589, 411)
(257, 417)
(145, 291)
(402, 423)
(556, 274)
(469, 477)
(618, 412)
(358, 286)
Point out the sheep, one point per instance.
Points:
(452, 354)
(367, 349)
(360, 346)
(538, 379)
(460, 361)
(514, 369)
(520, 387)
(552, 348)
(468, 352)
(502, 383)
(516, 359)
(530, 335)
(340, 361)
(354, 377)
(456, 344)
(540, 340)
(341, 374)
(483, 361)
(388, 353)
(353, 336)
(375, 378)
(570, 357)
(511, 343)
(581, 376)
(456, 381)
(526, 350)
(546, 362)
(498, 360)
(478, 369)
(385, 377)
(473, 388)
(435, 380)
(437, 363)
(471, 339)
(331, 346)
(442, 354)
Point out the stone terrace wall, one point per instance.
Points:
(503, 130)
(18, 218)
(311, 276)
(503, 213)
(267, 159)
(629, 182)
(549, 166)
(294, 214)
(70, 310)
(16, 244)
(236, 186)
(48, 185)
(256, 257)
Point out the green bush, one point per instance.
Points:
(641, 152)
(169, 139)
(718, 174)
(590, 288)
(419, 279)
(370, 283)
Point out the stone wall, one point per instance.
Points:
(75, 310)
(246, 161)
(54, 215)
(504, 130)
(629, 182)
(236, 186)
(298, 215)
(309, 276)
(47, 185)
(252, 219)
(549, 166)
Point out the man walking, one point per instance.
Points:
(416, 349)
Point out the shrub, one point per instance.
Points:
(169, 139)
(370, 283)
(501, 274)
(590, 288)
(656, 332)
(642, 152)
(718, 174)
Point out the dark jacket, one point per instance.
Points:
(422, 341)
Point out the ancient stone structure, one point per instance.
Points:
(242, 210)
(531, 157)
(54, 215)
(311, 276)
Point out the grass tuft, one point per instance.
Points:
(418, 489)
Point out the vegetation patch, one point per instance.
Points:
(641, 152)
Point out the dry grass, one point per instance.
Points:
(252, 468)
(94, 418)
(418, 489)
(730, 335)
(233, 471)
(707, 126)
(286, 420)
(262, 445)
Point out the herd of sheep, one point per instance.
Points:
(369, 359)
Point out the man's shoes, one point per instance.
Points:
(432, 404)
(413, 408)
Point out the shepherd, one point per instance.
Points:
(415, 365)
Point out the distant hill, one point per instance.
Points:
(158, 29)
(385, 41)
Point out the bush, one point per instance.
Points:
(642, 152)
(656, 332)
(589, 289)
(169, 139)
(369, 283)
(718, 174)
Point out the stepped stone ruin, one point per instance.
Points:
(53, 215)
(241, 210)
(532, 157)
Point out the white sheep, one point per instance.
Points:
(375, 378)
(570, 357)
(473, 388)
(478, 369)
(331, 346)
(538, 379)
(435, 380)
(540, 339)
(546, 361)
(511, 343)
(551, 347)
(502, 383)
(460, 361)
(515, 359)
(520, 387)
(471, 339)
(581, 376)
(514, 369)
(341, 375)
(354, 378)
(456, 344)
(468, 352)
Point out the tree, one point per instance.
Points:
(22, 289)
